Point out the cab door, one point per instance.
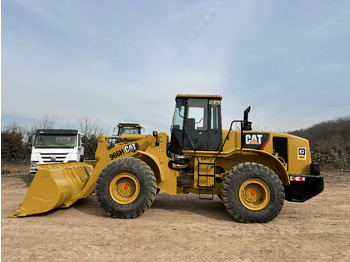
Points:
(203, 125)
(215, 128)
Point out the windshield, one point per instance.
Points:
(130, 130)
(179, 114)
(55, 141)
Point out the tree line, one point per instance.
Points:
(14, 138)
(329, 142)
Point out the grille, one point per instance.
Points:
(53, 158)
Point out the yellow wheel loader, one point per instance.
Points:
(253, 172)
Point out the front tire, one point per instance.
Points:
(126, 188)
(252, 193)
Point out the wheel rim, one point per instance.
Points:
(124, 188)
(254, 194)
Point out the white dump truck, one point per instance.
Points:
(55, 146)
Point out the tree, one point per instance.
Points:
(13, 148)
(89, 127)
(47, 122)
(91, 132)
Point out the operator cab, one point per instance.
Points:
(129, 129)
(196, 123)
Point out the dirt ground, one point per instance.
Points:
(178, 228)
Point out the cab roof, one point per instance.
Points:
(56, 132)
(129, 125)
(198, 96)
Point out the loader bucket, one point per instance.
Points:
(54, 186)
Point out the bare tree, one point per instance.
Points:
(89, 127)
(47, 122)
(91, 132)
(14, 127)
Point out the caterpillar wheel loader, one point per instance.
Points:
(253, 172)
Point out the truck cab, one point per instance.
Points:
(55, 146)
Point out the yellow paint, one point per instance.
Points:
(254, 194)
(124, 188)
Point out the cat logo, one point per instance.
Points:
(132, 148)
(255, 140)
(127, 149)
(301, 153)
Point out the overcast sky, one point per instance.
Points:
(125, 61)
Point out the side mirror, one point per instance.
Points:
(30, 141)
(155, 134)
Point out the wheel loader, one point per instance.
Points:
(252, 172)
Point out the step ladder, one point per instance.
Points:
(206, 177)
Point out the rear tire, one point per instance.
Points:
(252, 193)
(126, 188)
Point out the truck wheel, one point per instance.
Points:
(252, 193)
(126, 188)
